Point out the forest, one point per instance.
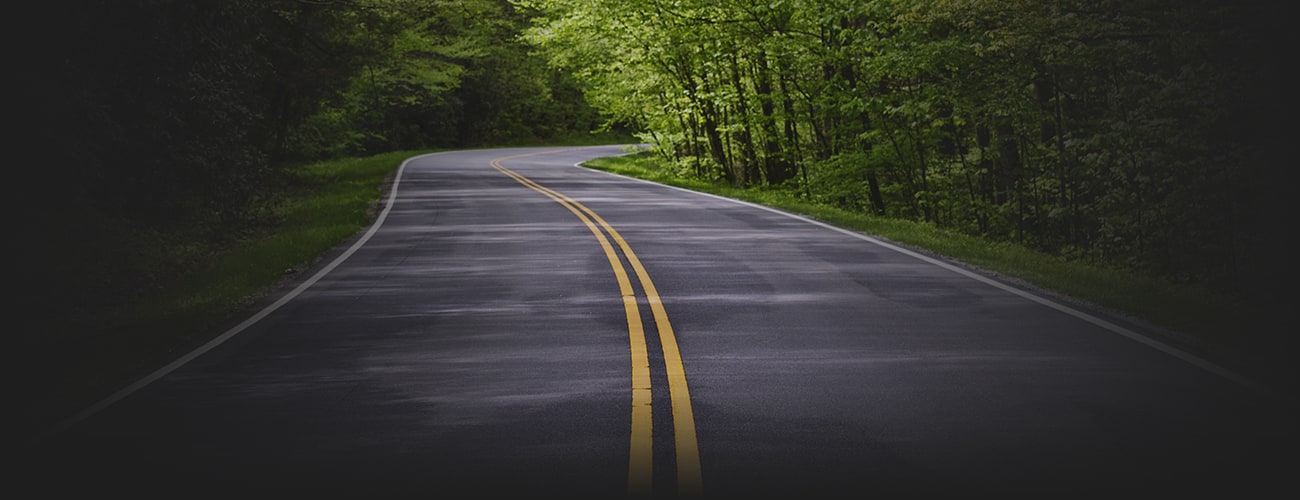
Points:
(1140, 134)
(152, 130)
(1149, 135)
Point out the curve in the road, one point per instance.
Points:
(124, 392)
(640, 462)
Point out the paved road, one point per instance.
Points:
(516, 324)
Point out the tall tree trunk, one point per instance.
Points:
(776, 168)
(708, 118)
(748, 154)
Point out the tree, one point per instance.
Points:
(1108, 131)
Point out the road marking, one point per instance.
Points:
(1188, 357)
(640, 461)
(235, 330)
(686, 446)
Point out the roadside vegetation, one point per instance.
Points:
(1144, 136)
(94, 347)
(1231, 328)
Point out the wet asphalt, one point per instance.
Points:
(476, 345)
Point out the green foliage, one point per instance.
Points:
(1099, 131)
(166, 121)
(444, 73)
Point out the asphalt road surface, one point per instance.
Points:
(516, 325)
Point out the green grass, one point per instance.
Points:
(102, 348)
(1193, 313)
(331, 202)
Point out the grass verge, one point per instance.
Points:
(1184, 313)
(99, 350)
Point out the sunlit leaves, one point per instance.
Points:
(1082, 127)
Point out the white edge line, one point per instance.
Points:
(1114, 328)
(228, 334)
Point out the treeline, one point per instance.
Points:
(149, 130)
(1144, 134)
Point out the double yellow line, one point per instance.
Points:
(641, 457)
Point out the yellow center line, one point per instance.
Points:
(689, 482)
(640, 461)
